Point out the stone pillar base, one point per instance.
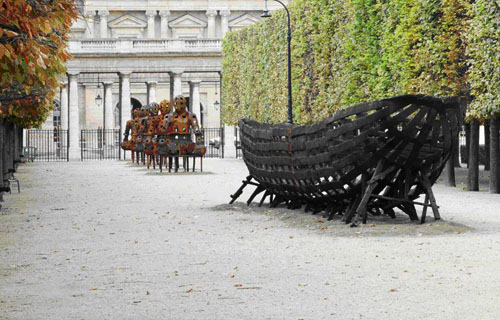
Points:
(229, 147)
(74, 154)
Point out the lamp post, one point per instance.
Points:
(266, 14)
(98, 99)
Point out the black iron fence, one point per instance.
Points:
(214, 142)
(46, 145)
(99, 144)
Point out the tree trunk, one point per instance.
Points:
(2, 153)
(21, 140)
(7, 148)
(494, 156)
(473, 161)
(456, 151)
(467, 142)
(15, 137)
(450, 173)
(487, 145)
(12, 146)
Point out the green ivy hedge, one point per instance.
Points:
(344, 52)
(484, 58)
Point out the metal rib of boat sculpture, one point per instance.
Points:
(370, 158)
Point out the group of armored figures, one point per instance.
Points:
(156, 134)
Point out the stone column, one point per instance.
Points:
(83, 92)
(151, 91)
(64, 107)
(109, 119)
(224, 21)
(103, 23)
(151, 23)
(229, 139)
(211, 14)
(89, 30)
(125, 99)
(74, 118)
(171, 98)
(175, 84)
(164, 23)
(194, 94)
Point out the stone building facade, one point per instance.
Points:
(132, 52)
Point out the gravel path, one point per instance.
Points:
(111, 240)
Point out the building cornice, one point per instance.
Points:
(180, 5)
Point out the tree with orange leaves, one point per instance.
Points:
(33, 52)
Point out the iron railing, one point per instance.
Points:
(214, 142)
(46, 145)
(99, 144)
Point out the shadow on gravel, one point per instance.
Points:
(180, 173)
(377, 226)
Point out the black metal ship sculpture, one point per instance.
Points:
(368, 159)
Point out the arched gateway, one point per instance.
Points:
(134, 103)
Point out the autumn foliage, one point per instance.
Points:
(33, 52)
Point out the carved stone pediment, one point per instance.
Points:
(127, 26)
(242, 21)
(187, 26)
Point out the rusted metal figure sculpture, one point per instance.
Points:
(158, 136)
(135, 130)
(132, 130)
(161, 132)
(139, 143)
(370, 158)
(127, 144)
(182, 125)
(150, 141)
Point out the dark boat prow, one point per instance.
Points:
(369, 158)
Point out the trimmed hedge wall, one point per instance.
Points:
(344, 52)
(484, 58)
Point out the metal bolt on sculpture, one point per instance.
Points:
(158, 136)
(370, 158)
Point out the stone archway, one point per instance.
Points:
(134, 104)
